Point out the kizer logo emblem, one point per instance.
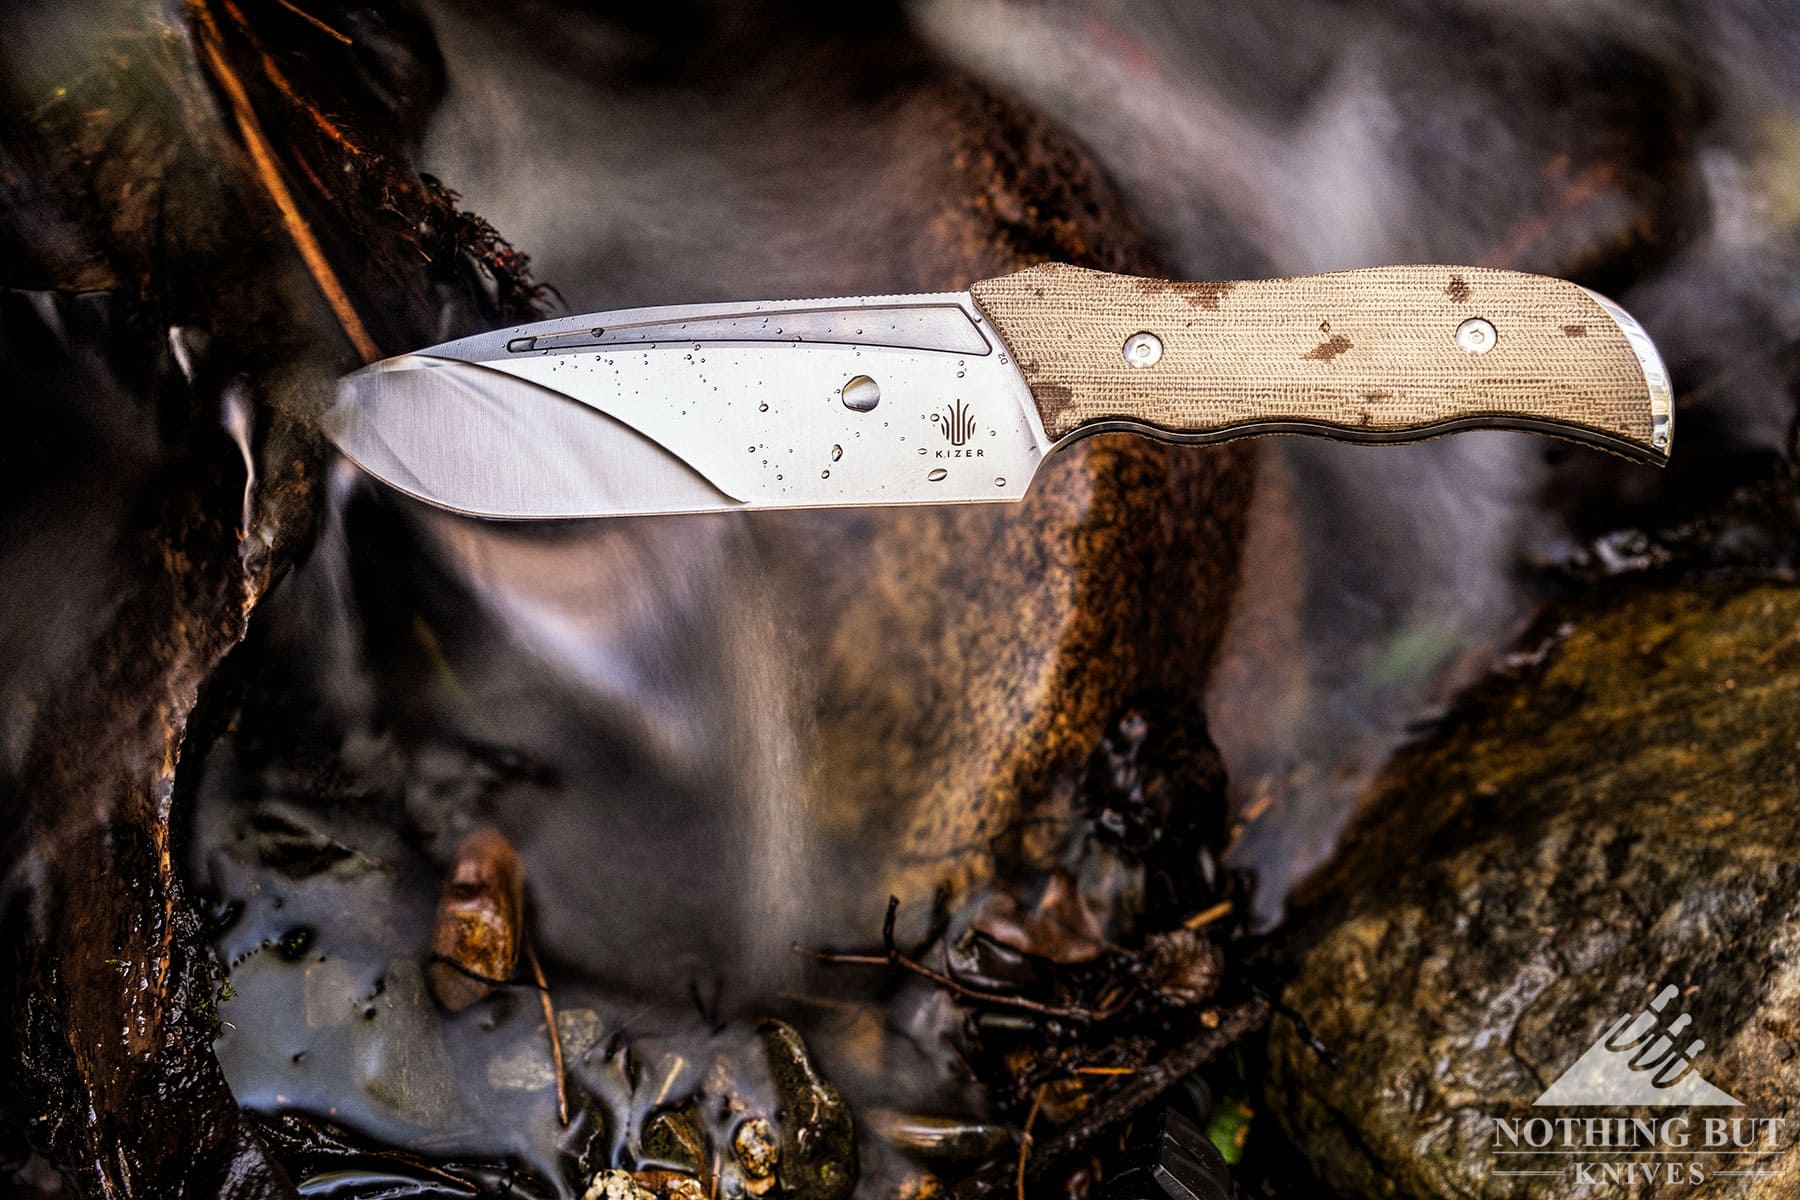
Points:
(957, 424)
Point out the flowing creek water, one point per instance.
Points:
(619, 700)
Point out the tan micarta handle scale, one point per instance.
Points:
(1366, 355)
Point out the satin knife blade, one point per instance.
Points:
(959, 396)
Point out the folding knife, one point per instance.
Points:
(959, 396)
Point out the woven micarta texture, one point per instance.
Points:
(1369, 352)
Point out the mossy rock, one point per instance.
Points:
(1615, 817)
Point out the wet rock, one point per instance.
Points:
(526, 1069)
(758, 1154)
(920, 1185)
(674, 1137)
(670, 1185)
(981, 962)
(480, 921)
(818, 1139)
(1618, 818)
(617, 1185)
(398, 1054)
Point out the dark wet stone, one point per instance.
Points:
(818, 1139)
(480, 921)
(756, 1150)
(675, 1138)
(398, 1055)
(293, 945)
(981, 962)
(1618, 818)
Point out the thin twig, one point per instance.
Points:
(1100, 1013)
(1037, 1102)
(477, 976)
(556, 1057)
(262, 155)
(325, 123)
(892, 957)
(280, 80)
(312, 20)
(677, 1064)
(1201, 920)
(1151, 1082)
(1302, 1030)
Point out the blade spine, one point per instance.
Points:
(755, 312)
(959, 299)
(592, 347)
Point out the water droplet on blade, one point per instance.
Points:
(937, 474)
(861, 394)
(837, 452)
(999, 481)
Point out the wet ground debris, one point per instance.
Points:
(893, 956)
